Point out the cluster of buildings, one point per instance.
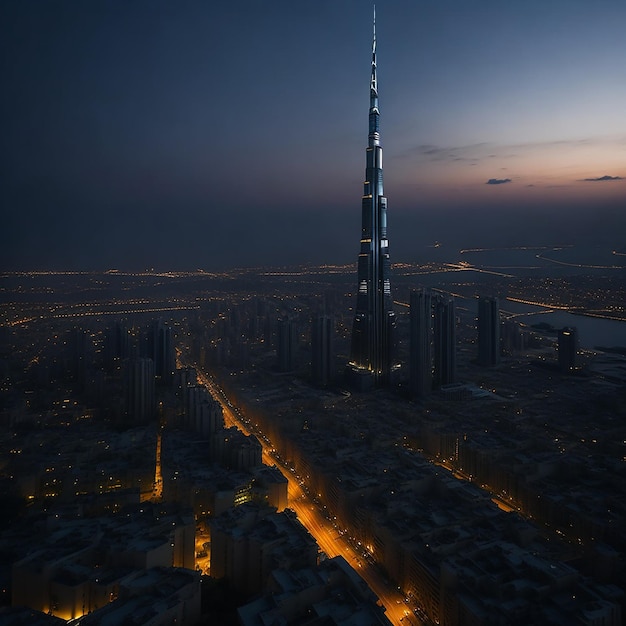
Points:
(439, 522)
(123, 525)
(139, 559)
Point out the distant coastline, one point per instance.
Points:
(584, 313)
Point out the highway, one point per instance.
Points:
(331, 540)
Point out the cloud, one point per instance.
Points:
(470, 153)
(498, 181)
(601, 178)
(479, 152)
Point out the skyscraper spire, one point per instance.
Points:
(373, 87)
(374, 322)
(374, 112)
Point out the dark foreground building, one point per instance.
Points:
(371, 356)
(488, 331)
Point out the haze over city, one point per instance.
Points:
(240, 387)
(194, 134)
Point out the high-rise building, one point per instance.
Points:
(161, 351)
(371, 355)
(488, 331)
(140, 390)
(512, 339)
(568, 349)
(117, 344)
(287, 344)
(322, 354)
(444, 340)
(432, 351)
(420, 355)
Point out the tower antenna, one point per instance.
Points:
(373, 84)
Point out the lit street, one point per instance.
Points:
(330, 539)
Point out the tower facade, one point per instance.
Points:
(161, 351)
(432, 348)
(488, 331)
(322, 354)
(420, 354)
(140, 391)
(287, 344)
(444, 340)
(371, 355)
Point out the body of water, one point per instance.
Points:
(565, 260)
(592, 331)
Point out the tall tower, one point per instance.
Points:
(444, 341)
(488, 331)
(420, 356)
(161, 351)
(322, 354)
(287, 344)
(374, 321)
(432, 357)
(140, 391)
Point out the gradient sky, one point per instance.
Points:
(152, 133)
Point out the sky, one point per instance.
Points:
(197, 134)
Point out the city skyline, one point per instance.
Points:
(180, 136)
(506, 455)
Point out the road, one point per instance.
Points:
(502, 504)
(331, 540)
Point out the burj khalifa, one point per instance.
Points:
(371, 356)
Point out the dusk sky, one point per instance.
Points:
(197, 134)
